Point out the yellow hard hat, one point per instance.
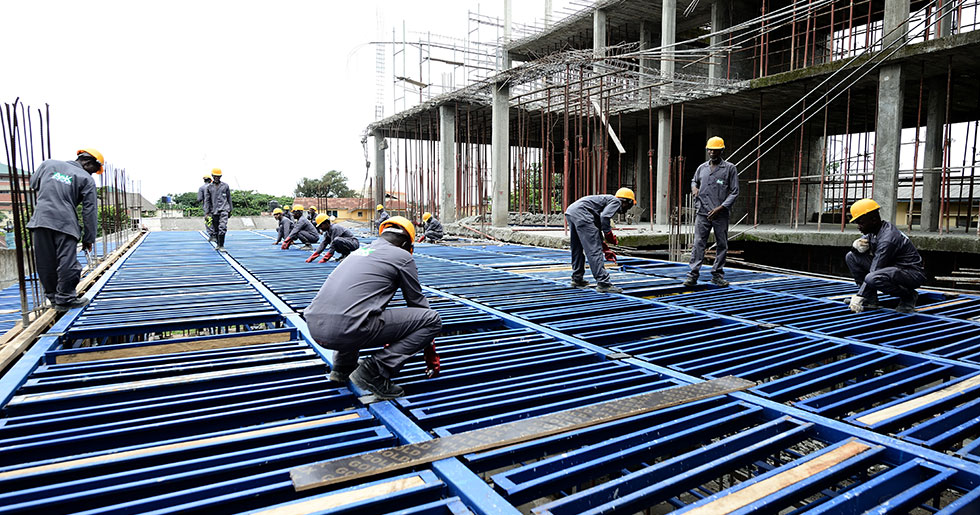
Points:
(286, 208)
(626, 193)
(311, 208)
(400, 221)
(297, 207)
(207, 176)
(715, 143)
(863, 207)
(322, 217)
(96, 154)
(380, 207)
(277, 211)
(216, 172)
(426, 216)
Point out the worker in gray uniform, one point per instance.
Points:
(381, 216)
(217, 205)
(588, 223)
(883, 259)
(285, 225)
(200, 200)
(302, 230)
(350, 313)
(61, 186)
(337, 238)
(715, 188)
(431, 228)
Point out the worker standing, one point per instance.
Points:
(302, 230)
(715, 188)
(883, 259)
(200, 200)
(217, 205)
(339, 239)
(381, 217)
(350, 313)
(431, 228)
(285, 225)
(61, 186)
(588, 222)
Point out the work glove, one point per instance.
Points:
(611, 238)
(431, 361)
(326, 257)
(421, 239)
(861, 245)
(608, 253)
(287, 243)
(312, 257)
(87, 247)
(857, 304)
(716, 212)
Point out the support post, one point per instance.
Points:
(500, 155)
(599, 33)
(888, 133)
(380, 145)
(667, 37)
(447, 161)
(933, 159)
(719, 21)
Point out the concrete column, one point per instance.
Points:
(944, 9)
(447, 169)
(547, 14)
(933, 158)
(599, 33)
(719, 21)
(888, 133)
(500, 155)
(815, 160)
(380, 145)
(646, 43)
(668, 28)
(642, 184)
(667, 37)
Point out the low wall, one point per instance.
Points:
(235, 223)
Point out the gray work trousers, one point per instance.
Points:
(219, 222)
(58, 268)
(893, 280)
(402, 332)
(345, 245)
(703, 227)
(586, 243)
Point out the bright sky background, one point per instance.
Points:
(268, 91)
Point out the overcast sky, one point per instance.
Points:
(268, 91)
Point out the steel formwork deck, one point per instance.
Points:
(851, 412)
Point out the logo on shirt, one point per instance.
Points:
(62, 177)
(719, 181)
(362, 252)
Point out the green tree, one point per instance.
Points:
(332, 183)
(244, 203)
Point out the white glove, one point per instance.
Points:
(861, 245)
(857, 304)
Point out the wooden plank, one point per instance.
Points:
(343, 498)
(557, 268)
(172, 348)
(146, 451)
(930, 307)
(909, 405)
(406, 456)
(758, 491)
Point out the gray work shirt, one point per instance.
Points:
(598, 208)
(349, 303)
(335, 231)
(285, 226)
(432, 228)
(60, 186)
(382, 216)
(217, 198)
(201, 191)
(891, 247)
(303, 227)
(716, 187)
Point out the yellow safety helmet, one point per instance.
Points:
(426, 216)
(277, 211)
(322, 217)
(297, 207)
(715, 143)
(311, 208)
(96, 154)
(400, 221)
(207, 177)
(216, 172)
(626, 193)
(286, 208)
(863, 207)
(380, 207)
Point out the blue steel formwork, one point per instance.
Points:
(212, 421)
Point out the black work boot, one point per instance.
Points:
(221, 243)
(871, 303)
(579, 283)
(690, 281)
(907, 305)
(368, 377)
(337, 376)
(608, 288)
(719, 280)
(79, 302)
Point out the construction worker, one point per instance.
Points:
(217, 205)
(200, 200)
(588, 222)
(431, 228)
(382, 215)
(883, 259)
(350, 313)
(302, 230)
(339, 239)
(61, 186)
(715, 188)
(285, 225)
